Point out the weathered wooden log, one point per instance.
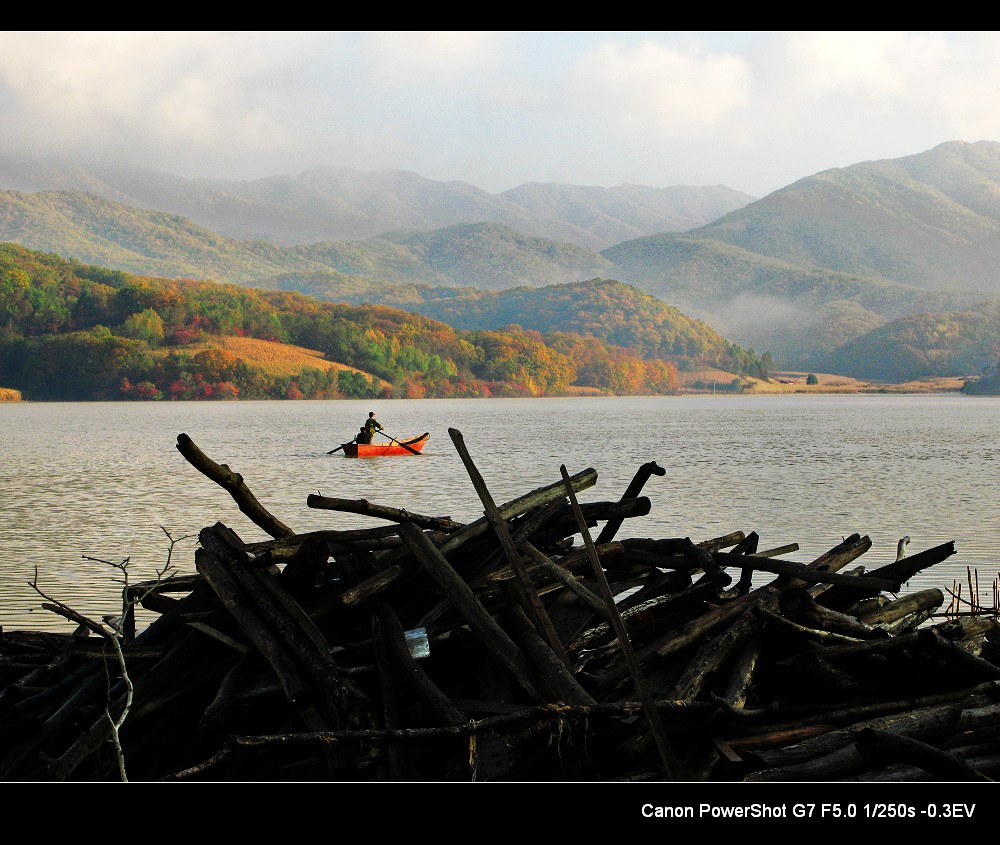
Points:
(546, 716)
(670, 554)
(933, 642)
(713, 654)
(881, 747)
(678, 553)
(680, 638)
(733, 538)
(396, 570)
(872, 747)
(802, 572)
(524, 588)
(551, 669)
(100, 649)
(489, 632)
(979, 635)
(397, 764)
(363, 506)
(916, 722)
(902, 607)
(158, 603)
(742, 673)
(305, 554)
(26, 752)
(633, 490)
(32, 704)
(88, 742)
(233, 483)
(173, 584)
(298, 691)
(221, 705)
(844, 759)
(409, 670)
(799, 606)
(836, 558)
(297, 631)
(987, 765)
(562, 575)
(663, 745)
(827, 638)
(756, 728)
(50, 665)
(642, 631)
(563, 525)
(900, 571)
(521, 533)
(747, 546)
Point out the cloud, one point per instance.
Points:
(752, 110)
(650, 87)
(445, 57)
(869, 65)
(912, 90)
(159, 93)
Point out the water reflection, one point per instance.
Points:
(105, 480)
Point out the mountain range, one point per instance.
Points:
(338, 204)
(825, 272)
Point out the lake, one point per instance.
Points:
(84, 485)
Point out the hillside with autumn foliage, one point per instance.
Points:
(72, 331)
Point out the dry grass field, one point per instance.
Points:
(795, 382)
(276, 359)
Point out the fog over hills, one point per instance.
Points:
(333, 203)
(851, 247)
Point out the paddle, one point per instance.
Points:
(394, 440)
(337, 449)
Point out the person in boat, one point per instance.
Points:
(369, 428)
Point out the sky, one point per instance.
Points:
(754, 111)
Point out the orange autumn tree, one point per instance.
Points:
(613, 368)
(523, 359)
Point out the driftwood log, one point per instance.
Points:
(516, 647)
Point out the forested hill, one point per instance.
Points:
(837, 254)
(617, 313)
(895, 253)
(90, 229)
(73, 331)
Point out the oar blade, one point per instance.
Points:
(404, 445)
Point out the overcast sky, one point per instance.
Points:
(751, 110)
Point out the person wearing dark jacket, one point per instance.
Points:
(369, 428)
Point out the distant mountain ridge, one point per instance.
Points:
(88, 228)
(930, 220)
(820, 273)
(337, 203)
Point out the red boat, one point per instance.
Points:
(412, 446)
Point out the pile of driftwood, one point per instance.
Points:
(513, 648)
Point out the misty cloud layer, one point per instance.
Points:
(751, 110)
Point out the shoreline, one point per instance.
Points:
(709, 381)
(795, 382)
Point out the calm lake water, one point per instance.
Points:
(105, 480)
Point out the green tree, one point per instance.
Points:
(146, 325)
